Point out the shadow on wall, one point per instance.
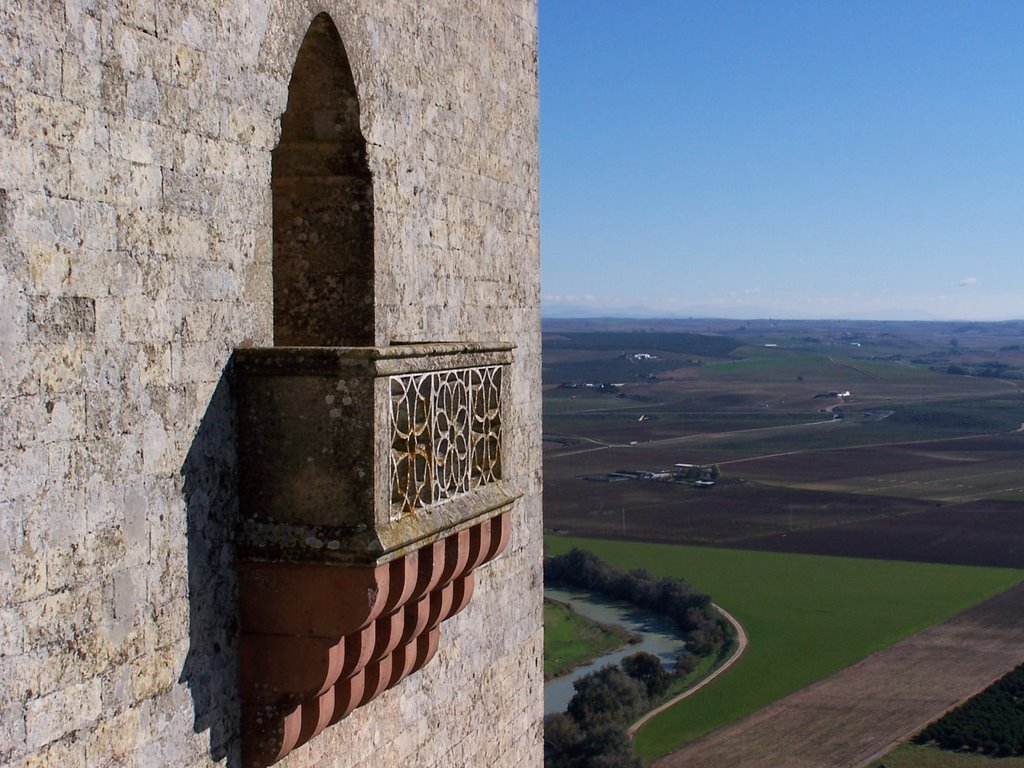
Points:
(210, 479)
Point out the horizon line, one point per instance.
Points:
(648, 318)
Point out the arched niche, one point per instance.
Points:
(323, 203)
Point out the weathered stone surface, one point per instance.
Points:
(136, 252)
(47, 718)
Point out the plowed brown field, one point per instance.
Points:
(989, 533)
(753, 508)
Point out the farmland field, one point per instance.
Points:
(807, 616)
(754, 515)
(911, 462)
(898, 443)
(847, 719)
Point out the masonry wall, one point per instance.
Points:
(135, 254)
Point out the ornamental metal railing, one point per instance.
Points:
(445, 435)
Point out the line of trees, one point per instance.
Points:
(706, 631)
(992, 722)
(992, 369)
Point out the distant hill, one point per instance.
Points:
(704, 345)
(702, 312)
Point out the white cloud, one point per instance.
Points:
(968, 281)
(570, 298)
(745, 292)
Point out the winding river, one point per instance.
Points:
(660, 637)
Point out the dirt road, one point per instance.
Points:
(742, 641)
(851, 718)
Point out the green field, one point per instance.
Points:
(912, 756)
(571, 639)
(807, 617)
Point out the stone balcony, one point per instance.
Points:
(370, 488)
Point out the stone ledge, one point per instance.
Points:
(303, 543)
(404, 357)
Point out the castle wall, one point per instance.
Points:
(135, 254)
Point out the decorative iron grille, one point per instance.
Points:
(445, 435)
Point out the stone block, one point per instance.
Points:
(132, 140)
(139, 54)
(95, 176)
(6, 112)
(81, 77)
(140, 14)
(62, 618)
(50, 717)
(113, 740)
(97, 227)
(12, 731)
(23, 471)
(156, 672)
(117, 693)
(143, 99)
(16, 168)
(68, 752)
(113, 88)
(36, 65)
(12, 632)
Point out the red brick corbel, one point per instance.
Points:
(319, 640)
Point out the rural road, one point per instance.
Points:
(929, 440)
(741, 646)
(599, 445)
(855, 716)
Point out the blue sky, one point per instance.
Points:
(783, 159)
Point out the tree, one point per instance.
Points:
(686, 662)
(607, 694)
(563, 741)
(607, 745)
(647, 668)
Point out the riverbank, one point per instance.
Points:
(658, 636)
(572, 640)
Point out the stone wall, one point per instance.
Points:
(136, 248)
